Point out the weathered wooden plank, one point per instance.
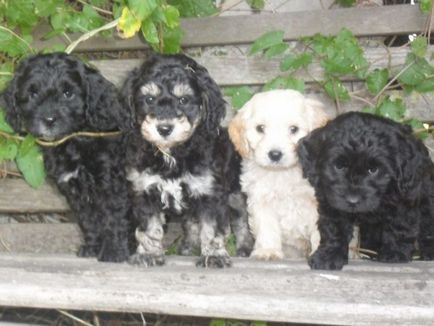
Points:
(363, 293)
(367, 21)
(50, 238)
(17, 196)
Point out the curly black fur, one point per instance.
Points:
(53, 95)
(374, 172)
(176, 170)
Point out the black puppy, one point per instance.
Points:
(370, 171)
(54, 95)
(180, 162)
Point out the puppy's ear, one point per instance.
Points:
(104, 109)
(213, 104)
(127, 94)
(413, 165)
(237, 134)
(315, 113)
(309, 151)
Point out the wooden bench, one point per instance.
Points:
(38, 267)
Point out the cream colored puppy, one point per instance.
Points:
(281, 203)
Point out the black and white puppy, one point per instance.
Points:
(374, 172)
(180, 162)
(53, 95)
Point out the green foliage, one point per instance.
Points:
(425, 6)
(346, 3)
(418, 74)
(256, 4)
(419, 46)
(239, 95)
(266, 41)
(284, 82)
(30, 163)
(194, 8)
(231, 245)
(376, 80)
(296, 61)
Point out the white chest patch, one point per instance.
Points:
(197, 185)
(65, 177)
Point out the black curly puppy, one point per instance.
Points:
(53, 95)
(370, 171)
(180, 162)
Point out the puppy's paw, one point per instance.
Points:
(267, 254)
(146, 260)
(114, 256)
(214, 261)
(243, 252)
(389, 256)
(88, 251)
(329, 262)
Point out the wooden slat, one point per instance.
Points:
(403, 19)
(50, 238)
(18, 197)
(363, 293)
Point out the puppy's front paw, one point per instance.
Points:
(146, 260)
(214, 261)
(389, 256)
(88, 251)
(115, 256)
(267, 254)
(320, 260)
(243, 252)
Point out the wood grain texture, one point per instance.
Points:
(243, 29)
(363, 293)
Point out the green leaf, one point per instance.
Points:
(266, 41)
(194, 8)
(346, 3)
(217, 322)
(171, 15)
(172, 39)
(276, 50)
(418, 127)
(376, 80)
(8, 149)
(4, 126)
(394, 110)
(12, 45)
(30, 162)
(259, 323)
(370, 109)
(419, 75)
(239, 95)
(142, 9)
(425, 6)
(6, 74)
(419, 46)
(256, 4)
(231, 245)
(128, 24)
(295, 62)
(336, 90)
(284, 82)
(44, 8)
(149, 31)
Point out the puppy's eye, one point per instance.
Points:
(150, 116)
(68, 94)
(340, 164)
(33, 94)
(183, 100)
(373, 170)
(149, 99)
(260, 129)
(293, 129)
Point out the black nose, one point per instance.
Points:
(275, 155)
(49, 121)
(352, 199)
(165, 129)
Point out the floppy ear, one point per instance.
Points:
(308, 151)
(127, 95)
(315, 113)
(413, 165)
(104, 109)
(237, 133)
(214, 106)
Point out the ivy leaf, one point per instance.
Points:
(425, 6)
(295, 62)
(376, 80)
(194, 8)
(142, 9)
(171, 15)
(12, 45)
(419, 75)
(419, 46)
(266, 41)
(239, 95)
(30, 162)
(370, 109)
(256, 4)
(418, 126)
(44, 8)
(128, 24)
(345, 3)
(172, 39)
(4, 126)
(276, 50)
(286, 82)
(8, 149)
(394, 110)
(149, 31)
(336, 90)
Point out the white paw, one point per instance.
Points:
(267, 254)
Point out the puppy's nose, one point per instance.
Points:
(275, 155)
(49, 121)
(165, 129)
(352, 199)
